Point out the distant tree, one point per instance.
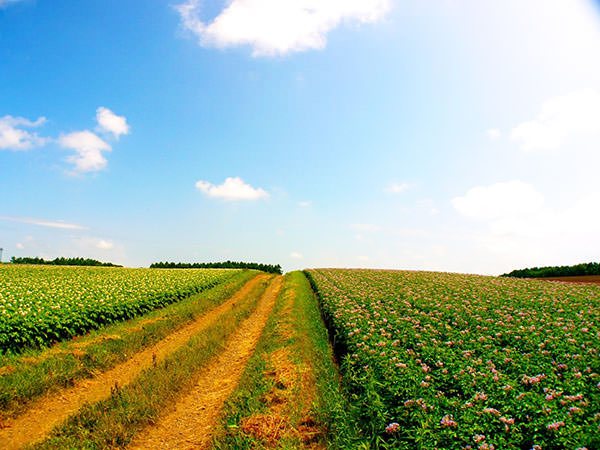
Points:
(62, 261)
(270, 268)
(577, 270)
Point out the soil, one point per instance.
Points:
(190, 424)
(594, 279)
(53, 409)
(293, 392)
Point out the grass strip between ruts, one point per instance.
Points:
(296, 405)
(42, 371)
(113, 423)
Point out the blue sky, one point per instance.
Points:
(448, 135)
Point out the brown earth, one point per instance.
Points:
(292, 394)
(191, 423)
(6, 370)
(594, 279)
(290, 399)
(54, 408)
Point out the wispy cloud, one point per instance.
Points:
(14, 137)
(233, 188)
(296, 255)
(277, 27)
(45, 223)
(571, 115)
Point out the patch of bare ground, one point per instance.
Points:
(6, 370)
(288, 402)
(593, 279)
(53, 409)
(191, 423)
(101, 338)
(290, 399)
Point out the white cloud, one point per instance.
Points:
(89, 148)
(563, 236)
(304, 204)
(109, 121)
(494, 133)
(396, 188)
(45, 223)
(296, 255)
(100, 244)
(233, 188)
(29, 241)
(13, 137)
(94, 247)
(498, 200)
(278, 27)
(560, 118)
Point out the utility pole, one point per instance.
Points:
(1, 250)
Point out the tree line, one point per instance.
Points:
(270, 268)
(62, 261)
(577, 270)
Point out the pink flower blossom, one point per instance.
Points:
(555, 425)
(480, 396)
(392, 428)
(479, 437)
(508, 420)
(448, 421)
(493, 411)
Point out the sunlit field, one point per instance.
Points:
(39, 304)
(437, 360)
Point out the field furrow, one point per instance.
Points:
(290, 395)
(192, 421)
(49, 411)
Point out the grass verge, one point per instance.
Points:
(112, 423)
(290, 396)
(27, 376)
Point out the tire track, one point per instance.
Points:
(190, 424)
(54, 408)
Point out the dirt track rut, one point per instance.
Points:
(189, 426)
(53, 409)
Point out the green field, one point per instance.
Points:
(43, 304)
(436, 360)
(325, 358)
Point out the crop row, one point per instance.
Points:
(448, 361)
(42, 304)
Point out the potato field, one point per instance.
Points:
(444, 361)
(346, 359)
(42, 304)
